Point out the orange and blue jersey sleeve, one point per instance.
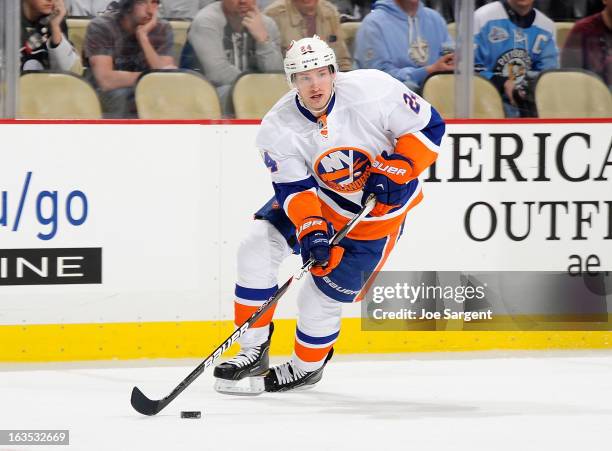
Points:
(416, 125)
(299, 199)
(422, 147)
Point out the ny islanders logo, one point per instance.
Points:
(344, 169)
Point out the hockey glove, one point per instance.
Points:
(388, 181)
(314, 235)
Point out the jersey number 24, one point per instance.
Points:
(412, 102)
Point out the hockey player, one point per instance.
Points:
(328, 144)
(514, 42)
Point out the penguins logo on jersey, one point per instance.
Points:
(344, 169)
(513, 64)
(419, 51)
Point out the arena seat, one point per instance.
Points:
(349, 30)
(77, 27)
(562, 30)
(572, 94)
(57, 95)
(254, 94)
(179, 29)
(439, 90)
(176, 94)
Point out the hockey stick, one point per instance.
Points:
(147, 406)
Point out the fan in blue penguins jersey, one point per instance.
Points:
(514, 42)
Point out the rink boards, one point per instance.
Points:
(118, 240)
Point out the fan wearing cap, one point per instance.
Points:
(330, 143)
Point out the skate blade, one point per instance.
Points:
(305, 387)
(296, 389)
(249, 386)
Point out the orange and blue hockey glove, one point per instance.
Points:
(388, 181)
(314, 234)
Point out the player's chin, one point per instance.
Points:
(317, 102)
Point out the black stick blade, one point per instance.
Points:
(144, 405)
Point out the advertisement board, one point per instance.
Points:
(113, 223)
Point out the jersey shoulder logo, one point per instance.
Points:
(344, 169)
(497, 34)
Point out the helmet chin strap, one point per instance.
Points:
(317, 113)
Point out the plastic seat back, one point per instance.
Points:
(439, 90)
(254, 94)
(572, 94)
(57, 95)
(176, 95)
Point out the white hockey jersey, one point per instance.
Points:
(332, 154)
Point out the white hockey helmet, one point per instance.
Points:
(307, 54)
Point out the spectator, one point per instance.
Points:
(514, 42)
(297, 19)
(44, 32)
(406, 40)
(125, 41)
(86, 8)
(182, 9)
(228, 38)
(589, 44)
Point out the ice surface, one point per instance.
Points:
(462, 401)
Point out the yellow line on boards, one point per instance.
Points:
(187, 339)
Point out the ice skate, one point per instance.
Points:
(288, 376)
(243, 374)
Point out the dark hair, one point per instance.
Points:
(124, 7)
(116, 6)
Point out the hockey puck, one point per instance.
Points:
(191, 414)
